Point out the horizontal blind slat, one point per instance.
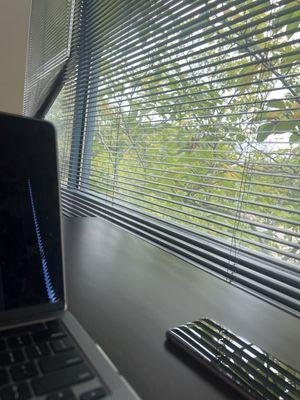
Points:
(80, 174)
(158, 202)
(211, 30)
(209, 210)
(222, 248)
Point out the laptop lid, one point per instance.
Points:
(31, 270)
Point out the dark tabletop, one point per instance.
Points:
(127, 292)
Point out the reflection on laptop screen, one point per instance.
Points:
(30, 253)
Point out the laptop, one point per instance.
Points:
(44, 352)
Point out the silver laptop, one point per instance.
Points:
(44, 352)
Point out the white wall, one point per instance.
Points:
(14, 25)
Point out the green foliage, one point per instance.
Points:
(295, 138)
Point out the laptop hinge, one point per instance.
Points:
(24, 314)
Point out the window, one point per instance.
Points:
(48, 49)
(181, 123)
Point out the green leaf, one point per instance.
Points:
(266, 127)
(276, 114)
(264, 131)
(292, 58)
(276, 104)
(285, 126)
(292, 26)
(262, 136)
(246, 79)
(295, 138)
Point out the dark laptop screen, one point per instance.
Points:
(30, 252)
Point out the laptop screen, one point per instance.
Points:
(30, 249)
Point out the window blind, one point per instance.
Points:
(179, 120)
(48, 50)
